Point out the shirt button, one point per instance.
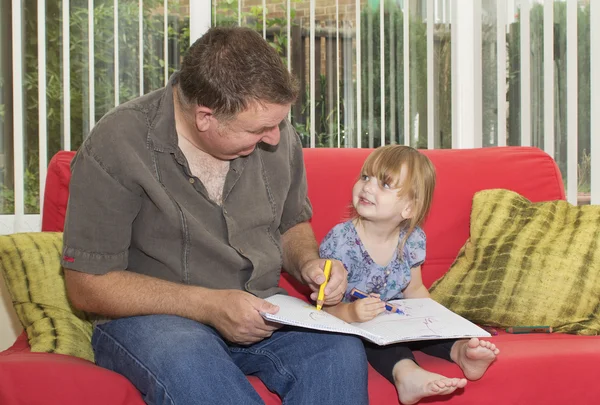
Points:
(387, 272)
(384, 284)
(241, 251)
(192, 180)
(224, 211)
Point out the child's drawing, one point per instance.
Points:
(410, 308)
(318, 315)
(428, 323)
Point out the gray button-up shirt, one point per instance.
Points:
(135, 205)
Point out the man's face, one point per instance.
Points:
(240, 135)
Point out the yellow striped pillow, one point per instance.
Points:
(30, 264)
(527, 264)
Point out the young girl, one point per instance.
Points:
(383, 248)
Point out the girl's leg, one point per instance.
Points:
(398, 365)
(384, 358)
(436, 348)
(473, 356)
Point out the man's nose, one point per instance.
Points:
(272, 137)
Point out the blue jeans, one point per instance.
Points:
(174, 360)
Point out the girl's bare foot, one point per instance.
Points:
(474, 356)
(413, 383)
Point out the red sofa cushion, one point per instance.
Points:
(44, 378)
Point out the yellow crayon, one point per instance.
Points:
(321, 296)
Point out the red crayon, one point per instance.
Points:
(490, 330)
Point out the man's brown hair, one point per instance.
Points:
(228, 68)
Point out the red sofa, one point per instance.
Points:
(531, 369)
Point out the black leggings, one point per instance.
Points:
(384, 358)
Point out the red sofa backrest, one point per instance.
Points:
(460, 173)
(332, 172)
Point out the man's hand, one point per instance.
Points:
(236, 315)
(312, 274)
(365, 309)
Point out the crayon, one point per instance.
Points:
(490, 330)
(321, 295)
(530, 329)
(359, 294)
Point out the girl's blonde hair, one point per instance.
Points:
(386, 163)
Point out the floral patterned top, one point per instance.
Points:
(344, 244)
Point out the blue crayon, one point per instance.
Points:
(360, 294)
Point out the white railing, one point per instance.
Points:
(572, 104)
(18, 220)
(464, 18)
(18, 107)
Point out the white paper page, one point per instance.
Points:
(295, 312)
(423, 319)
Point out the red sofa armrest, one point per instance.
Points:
(54, 379)
(56, 192)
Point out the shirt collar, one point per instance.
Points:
(162, 132)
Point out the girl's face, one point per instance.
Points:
(377, 202)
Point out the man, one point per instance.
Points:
(184, 204)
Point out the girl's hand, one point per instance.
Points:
(365, 309)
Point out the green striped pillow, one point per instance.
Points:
(527, 264)
(30, 264)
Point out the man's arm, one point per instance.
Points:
(301, 260)
(118, 294)
(235, 314)
(299, 247)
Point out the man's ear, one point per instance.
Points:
(203, 116)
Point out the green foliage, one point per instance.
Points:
(536, 78)
(394, 79)
(104, 84)
(326, 127)
(489, 80)
(32, 198)
(2, 107)
(326, 109)
(584, 172)
(371, 72)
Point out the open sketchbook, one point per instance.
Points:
(422, 319)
